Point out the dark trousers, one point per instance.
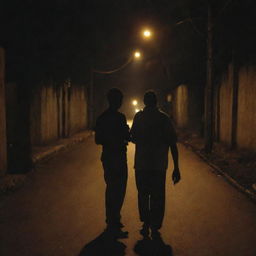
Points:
(115, 175)
(151, 196)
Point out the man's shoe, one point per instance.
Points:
(155, 234)
(116, 232)
(120, 225)
(145, 230)
(121, 234)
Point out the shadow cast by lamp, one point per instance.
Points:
(103, 245)
(152, 247)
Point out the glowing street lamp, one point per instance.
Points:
(134, 102)
(147, 33)
(137, 55)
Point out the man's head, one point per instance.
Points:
(115, 98)
(150, 99)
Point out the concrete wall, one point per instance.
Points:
(49, 114)
(57, 111)
(225, 109)
(3, 139)
(187, 102)
(180, 106)
(44, 112)
(245, 135)
(78, 109)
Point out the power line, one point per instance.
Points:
(190, 20)
(113, 70)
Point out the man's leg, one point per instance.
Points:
(109, 201)
(143, 195)
(157, 199)
(116, 180)
(119, 192)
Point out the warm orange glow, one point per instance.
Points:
(134, 102)
(136, 110)
(169, 98)
(137, 55)
(147, 33)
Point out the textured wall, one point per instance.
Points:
(3, 153)
(225, 109)
(49, 114)
(246, 116)
(180, 106)
(57, 111)
(246, 135)
(78, 109)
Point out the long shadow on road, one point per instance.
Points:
(106, 246)
(103, 245)
(155, 247)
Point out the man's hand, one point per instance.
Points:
(176, 176)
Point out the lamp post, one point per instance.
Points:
(209, 88)
(91, 97)
(3, 134)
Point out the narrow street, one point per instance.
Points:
(60, 209)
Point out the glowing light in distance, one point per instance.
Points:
(134, 102)
(136, 110)
(137, 55)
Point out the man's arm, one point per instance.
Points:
(98, 133)
(174, 150)
(175, 156)
(134, 129)
(127, 134)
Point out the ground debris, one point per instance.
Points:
(238, 164)
(11, 182)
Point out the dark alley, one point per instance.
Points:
(127, 128)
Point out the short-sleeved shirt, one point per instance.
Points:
(112, 132)
(153, 133)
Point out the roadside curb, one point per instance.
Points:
(50, 151)
(12, 182)
(229, 179)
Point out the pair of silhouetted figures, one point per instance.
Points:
(153, 134)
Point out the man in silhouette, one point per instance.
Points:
(112, 132)
(153, 134)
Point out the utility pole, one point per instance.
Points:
(208, 109)
(91, 99)
(235, 84)
(3, 139)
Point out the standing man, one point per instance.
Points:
(112, 132)
(153, 134)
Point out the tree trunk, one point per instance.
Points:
(208, 112)
(3, 139)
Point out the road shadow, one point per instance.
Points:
(103, 245)
(152, 247)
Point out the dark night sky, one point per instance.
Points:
(63, 38)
